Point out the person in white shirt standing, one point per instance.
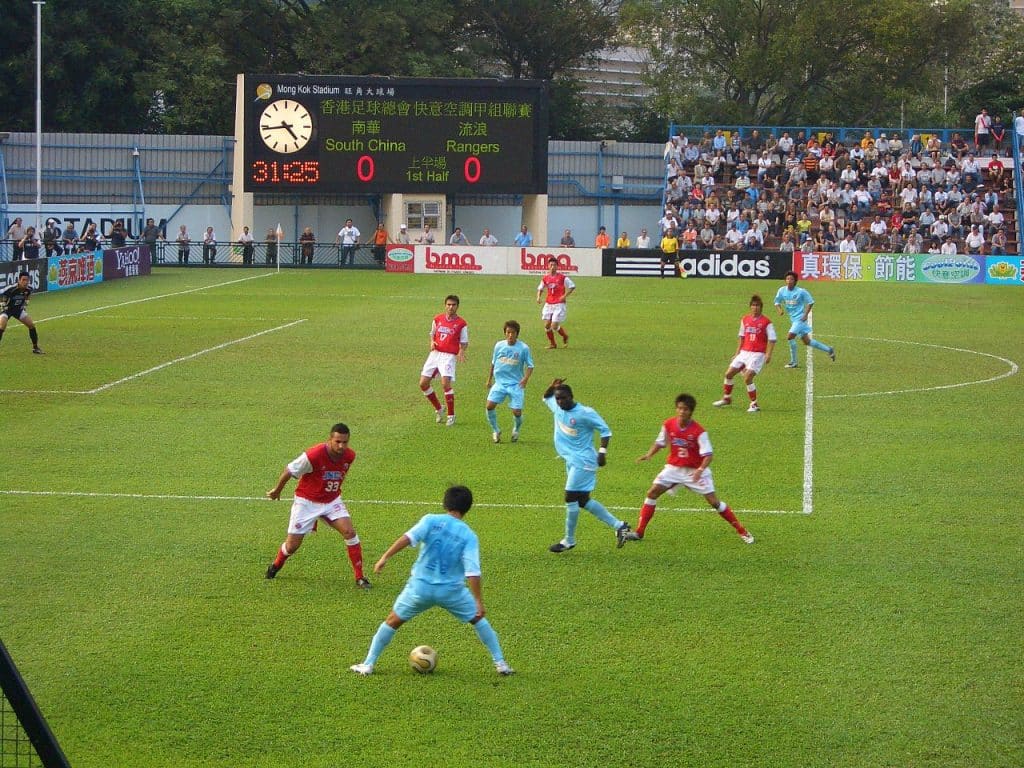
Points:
(348, 238)
(982, 130)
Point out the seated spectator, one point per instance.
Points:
(828, 238)
(753, 241)
(958, 146)
(862, 238)
(874, 188)
(707, 236)
(895, 144)
(786, 245)
(689, 238)
(914, 244)
(862, 202)
(895, 242)
(995, 169)
(996, 218)
(934, 144)
(733, 238)
(925, 221)
(926, 199)
(948, 246)
(999, 242)
(916, 147)
(878, 230)
(939, 228)
(954, 221)
(970, 171)
(896, 221)
(803, 226)
(848, 244)
(975, 240)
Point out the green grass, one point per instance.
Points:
(883, 629)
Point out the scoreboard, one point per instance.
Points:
(326, 134)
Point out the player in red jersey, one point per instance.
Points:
(553, 290)
(449, 337)
(753, 352)
(689, 456)
(321, 471)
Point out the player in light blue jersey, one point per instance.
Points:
(797, 303)
(511, 368)
(446, 574)
(575, 425)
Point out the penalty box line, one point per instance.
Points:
(368, 502)
(154, 298)
(154, 369)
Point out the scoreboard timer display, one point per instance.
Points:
(371, 134)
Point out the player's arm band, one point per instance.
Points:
(602, 450)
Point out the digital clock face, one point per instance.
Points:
(343, 135)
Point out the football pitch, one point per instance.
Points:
(877, 621)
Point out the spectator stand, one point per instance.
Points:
(917, 181)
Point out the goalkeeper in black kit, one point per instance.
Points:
(14, 303)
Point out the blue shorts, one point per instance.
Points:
(419, 596)
(800, 329)
(516, 395)
(580, 479)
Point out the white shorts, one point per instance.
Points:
(751, 361)
(672, 476)
(553, 312)
(439, 364)
(305, 513)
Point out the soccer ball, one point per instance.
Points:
(423, 659)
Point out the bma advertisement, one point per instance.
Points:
(644, 262)
(938, 268)
(491, 260)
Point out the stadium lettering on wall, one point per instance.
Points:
(335, 134)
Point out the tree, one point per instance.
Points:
(411, 38)
(800, 61)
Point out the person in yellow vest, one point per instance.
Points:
(623, 241)
(670, 253)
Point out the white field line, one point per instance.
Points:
(808, 498)
(154, 298)
(1012, 370)
(369, 502)
(155, 368)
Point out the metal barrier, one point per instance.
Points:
(265, 254)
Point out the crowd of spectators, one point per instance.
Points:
(878, 193)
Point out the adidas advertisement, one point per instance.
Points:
(640, 262)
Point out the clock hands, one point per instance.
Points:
(284, 125)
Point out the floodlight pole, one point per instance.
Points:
(39, 111)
